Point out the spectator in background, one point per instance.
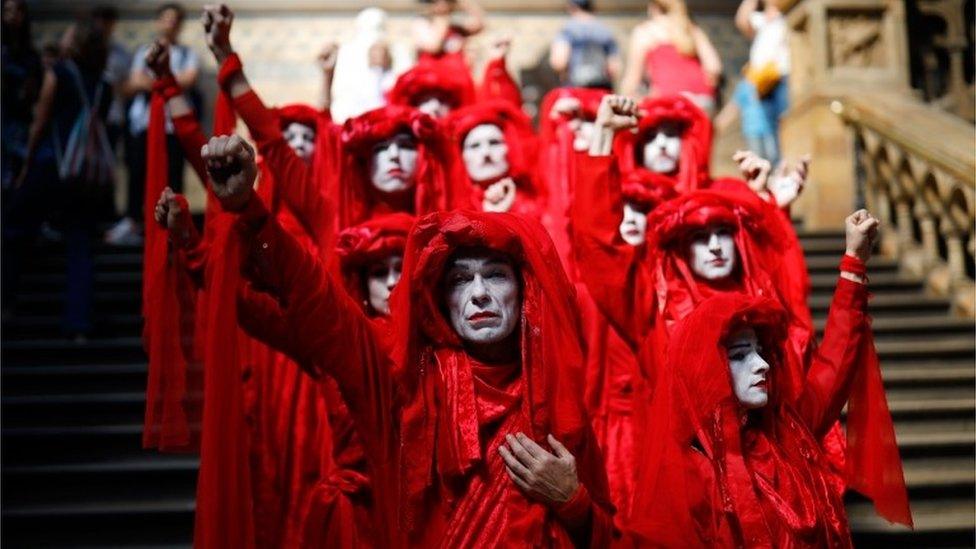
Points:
(769, 62)
(186, 67)
(760, 134)
(69, 155)
(445, 27)
(584, 53)
(23, 72)
(116, 69)
(363, 72)
(675, 56)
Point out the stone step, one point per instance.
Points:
(61, 351)
(894, 304)
(930, 373)
(147, 522)
(830, 264)
(103, 301)
(960, 346)
(75, 409)
(940, 477)
(886, 282)
(71, 444)
(121, 261)
(936, 438)
(130, 281)
(154, 476)
(915, 325)
(72, 379)
(937, 523)
(22, 327)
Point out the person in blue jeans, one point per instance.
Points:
(760, 118)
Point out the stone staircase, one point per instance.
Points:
(74, 473)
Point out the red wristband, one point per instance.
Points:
(167, 87)
(853, 265)
(231, 66)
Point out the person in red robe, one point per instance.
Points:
(673, 141)
(731, 447)
(496, 151)
(565, 128)
(455, 422)
(433, 88)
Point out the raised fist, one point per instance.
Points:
(157, 58)
(754, 168)
(787, 182)
(217, 21)
(616, 112)
(173, 213)
(568, 107)
(862, 232)
(327, 57)
(232, 169)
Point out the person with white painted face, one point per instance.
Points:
(470, 436)
(609, 220)
(497, 153)
(739, 455)
(672, 141)
(433, 89)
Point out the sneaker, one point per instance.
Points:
(120, 231)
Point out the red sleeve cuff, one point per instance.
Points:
(850, 295)
(230, 67)
(167, 87)
(577, 509)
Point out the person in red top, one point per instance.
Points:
(731, 438)
(340, 507)
(456, 420)
(496, 154)
(673, 142)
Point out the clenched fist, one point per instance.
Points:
(754, 168)
(173, 213)
(232, 169)
(217, 21)
(327, 57)
(862, 232)
(157, 58)
(616, 112)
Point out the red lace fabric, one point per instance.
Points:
(522, 154)
(353, 194)
(756, 479)
(696, 140)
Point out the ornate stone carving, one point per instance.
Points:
(856, 39)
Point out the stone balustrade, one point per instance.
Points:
(917, 172)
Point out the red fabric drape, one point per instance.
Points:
(173, 388)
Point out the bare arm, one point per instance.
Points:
(746, 8)
(475, 20)
(559, 56)
(429, 35)
(708, 56)
(327, 62)
(635, 63)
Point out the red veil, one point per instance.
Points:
(353, 194)
(373, 240)
(696, 139)
(522, 151)
(557, 161)
(437, 379)
(433, 77)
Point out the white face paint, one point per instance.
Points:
(393, 164)
(713, 253)
(482, 298)
(433, 106)
(663, 149)
(381, 277)
(485, 153)
(582, 136)
(301, 139)
(633, 227)
(748, 369)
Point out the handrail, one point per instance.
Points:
(918, 173)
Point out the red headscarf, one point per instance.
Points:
(519, 136)
(373, 240)
(433, 77)
(696, 139)
(694, 431)
(670, 226)
(354, 197)
(439, 427)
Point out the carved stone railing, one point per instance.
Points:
(954, 41)
(917, 172)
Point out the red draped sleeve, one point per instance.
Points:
(498, 84)
(610, 268)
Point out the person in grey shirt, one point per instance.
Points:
(584, 53)
(186, 68)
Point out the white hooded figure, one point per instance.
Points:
(359, 86)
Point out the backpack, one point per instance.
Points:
(87, 157)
